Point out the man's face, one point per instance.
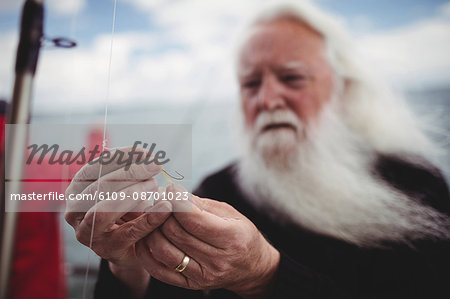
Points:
(283, 66)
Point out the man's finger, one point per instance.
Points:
(204, 225)
(166, 253)
(189, 244)
(140, 227)
(108, 189)
(218, 208)
(90, 172)
(76, 210)
(159, 270)
(105, 213)
(125, 234)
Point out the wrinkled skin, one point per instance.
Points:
(138, 240)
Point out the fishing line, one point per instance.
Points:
(104, 147)
(108, 87)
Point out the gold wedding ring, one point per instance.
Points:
(180, 268)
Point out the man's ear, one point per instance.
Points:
(344, 88)
(346, 85)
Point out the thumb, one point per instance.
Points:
(138, 228)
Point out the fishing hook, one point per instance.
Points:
(175, 178)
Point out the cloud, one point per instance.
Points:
(189, 58)
(137, 74)
(445, 9)
(199, 23)
(10, 6)
(66, 7)
(413, 56)
(361, 25)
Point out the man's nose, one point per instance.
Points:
(270, 95)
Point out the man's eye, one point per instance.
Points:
(252, 83)
(292, 78)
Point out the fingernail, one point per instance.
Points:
(174, 187)
(153, 168)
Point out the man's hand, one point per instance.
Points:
(101, 226)
(226, 249)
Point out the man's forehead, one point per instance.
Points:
(283, 43)
(249, 70)
(282, 29)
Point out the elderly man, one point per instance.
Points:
(331, 197)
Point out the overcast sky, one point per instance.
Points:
(182, 50)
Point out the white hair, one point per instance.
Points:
(326, 181)
(327, 185)
(369, 107)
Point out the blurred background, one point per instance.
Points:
(173, 63)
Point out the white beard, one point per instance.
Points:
(320, 178)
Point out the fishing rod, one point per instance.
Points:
(31, 33)
(30, 43)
